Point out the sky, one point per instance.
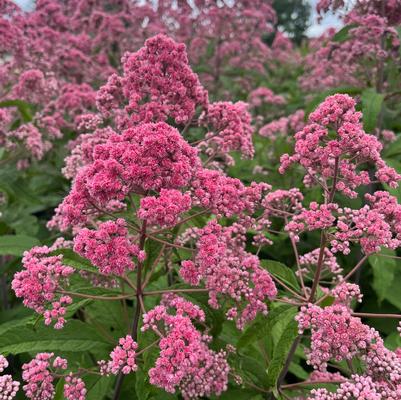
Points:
(314, 30)
(327, 22)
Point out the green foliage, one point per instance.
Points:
(15, 245)
(371, 107)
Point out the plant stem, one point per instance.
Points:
(319, 267)
(294, 247)
(155, 292)
(138, 308)
(93, 297)
(291, 353)
(374, 315)
(306, 383)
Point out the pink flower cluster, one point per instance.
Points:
(123, 358)
(231, 128)
(264, 95)
(110, 248)
(157, 83)
(185, 361)
(345, 292)
(282, 202)
(329, 265)
(40, 281)
(38, 379)
(3, 363)
(8, 387)
(373, 226)
(284, 126)
(335, 334)
(224, 195)
(74, 388)
(165, 209)
(81, 150)
(228, 271)
(338, 159)
(145, 157)
(318, 216)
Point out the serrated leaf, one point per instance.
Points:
(15, 245)
(281, 351)
(260, 327)
(282, 272)
(371, 107)
(76, 336)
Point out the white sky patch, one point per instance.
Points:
(329, 21)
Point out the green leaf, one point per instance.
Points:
(15, 245)
(282, 272)
(343, 34)
(97, 387)
(152, 250)
(59, 395)
(74, 260)
(76, 336)
(394, 149)
(23, 107)
(281, 351)
(384, 269)
(261, 326)
(142, 385)
(240, 394)
(371, 107)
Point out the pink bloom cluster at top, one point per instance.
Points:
(145, 157)
(228, 271)
(185, 361)
(231, 128)
(165, 209)
(338, 159)
(43, 275)
(157, 83)
(122, 358)
(109, 248)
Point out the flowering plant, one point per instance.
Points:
(165, 274)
